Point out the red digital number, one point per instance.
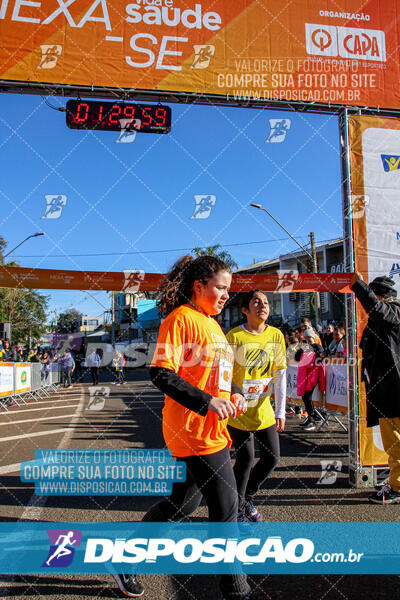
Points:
(100, 115)
(129, 112)
(161, 116)
(81, 118)
(146, 116)
(112, 117)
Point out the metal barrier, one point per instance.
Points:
(332, 404)
(19, 381)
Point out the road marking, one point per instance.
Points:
(32, 409)
(10, 468)
(36, 419)
(17, 409)
(29, 435)
(114, 38)
(36, 504)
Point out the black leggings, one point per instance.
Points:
(249, 478)
(211, 476)
(307, 399)
(208, 475)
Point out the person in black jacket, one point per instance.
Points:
(380, 345)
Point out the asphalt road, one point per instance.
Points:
(131, 418)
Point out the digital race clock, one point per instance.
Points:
(116, 116)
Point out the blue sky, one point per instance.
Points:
(137, 198)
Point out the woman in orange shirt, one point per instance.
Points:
(192, 365)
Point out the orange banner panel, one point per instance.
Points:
(133, 281)
(374, 163)
(258, 49)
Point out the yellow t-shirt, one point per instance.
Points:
(194, 346)
(257, 357)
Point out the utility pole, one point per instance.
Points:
(315, 270)
(112, 320)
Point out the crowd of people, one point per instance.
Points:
(72, 365)
(332, 340)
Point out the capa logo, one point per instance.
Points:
(347, 42)
(192, 550)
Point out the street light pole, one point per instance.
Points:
(312, 255)
(112, 320)
(23, 241)
(282, 227)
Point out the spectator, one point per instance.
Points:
(380, 370)
(67, 368)
(35, 358)
(13, 354)
(311, 372)
(305, 323)
(327, 338)
(93, 361)
(299, 335)
(118, 364)
(6, 350)
(79, 358)
(293, 346)
(337, 344)
(46, 362)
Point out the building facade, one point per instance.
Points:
(288, 308)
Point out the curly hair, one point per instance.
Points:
(177, 286)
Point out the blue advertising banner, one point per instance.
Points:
(81, 472)
(201, 548)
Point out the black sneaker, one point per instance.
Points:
(311, 426)
(386, 495)
(305, 422)
(129, 585)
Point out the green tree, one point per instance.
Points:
(67, 320)
(24, 309)
(216, 251)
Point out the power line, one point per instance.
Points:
(153, 251)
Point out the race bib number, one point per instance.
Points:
(254, 389)
(225, 375)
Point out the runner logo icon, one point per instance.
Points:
(50, 55)
(278, 130)
(202, 56)
(60, 553)
(54, 206)
(203, 205)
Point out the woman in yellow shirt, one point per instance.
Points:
(260, 361)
